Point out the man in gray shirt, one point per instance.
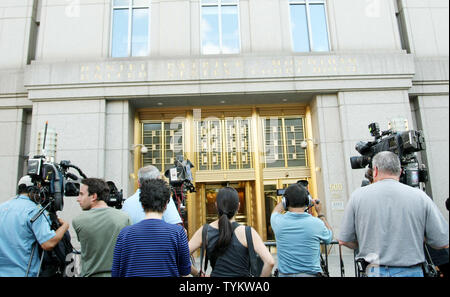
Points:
(387, 222)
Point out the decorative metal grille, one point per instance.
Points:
(238, 143)
(282, 138)
(164, 142)
(223, 144)
(294, 136)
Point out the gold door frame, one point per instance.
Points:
(254, 177)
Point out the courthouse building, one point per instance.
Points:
(257, 94)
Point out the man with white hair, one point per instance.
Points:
(388, 222)
(133, 206)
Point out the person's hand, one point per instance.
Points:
(61, 221)
(317, 206)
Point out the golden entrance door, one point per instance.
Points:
(207, 196)
(253, 148)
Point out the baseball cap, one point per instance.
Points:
(25, 180)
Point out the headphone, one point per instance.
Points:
(309, 204)
(284, 202)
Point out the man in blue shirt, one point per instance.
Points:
(298, 234)
(133, 206)
(18, 236)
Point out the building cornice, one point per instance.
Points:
(219, 74)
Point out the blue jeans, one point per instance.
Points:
(301, 274)
(391, 271)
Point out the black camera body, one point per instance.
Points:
(404, 144)
(180, 175)
(115, 197)
(181, 182)
(51, 181)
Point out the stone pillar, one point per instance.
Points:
(12, 138)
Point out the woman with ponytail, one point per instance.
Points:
(227, 248)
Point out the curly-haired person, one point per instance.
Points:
(152, 247)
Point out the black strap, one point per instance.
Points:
(251, 250)
(428, 266)
(203, 249)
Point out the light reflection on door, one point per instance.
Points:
(211, 195)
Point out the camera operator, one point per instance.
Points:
(133, 206)
(388, 222)
(298, 234)
(97, 228)
(19, 237)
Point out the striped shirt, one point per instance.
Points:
(151, 247)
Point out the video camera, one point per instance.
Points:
(51, 182)
(403, 143)
(181, 182)
(180, 175)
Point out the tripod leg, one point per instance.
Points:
(31, 258)
(356, 264)
(341, 262)
(40, 264)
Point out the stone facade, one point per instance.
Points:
(55, 66)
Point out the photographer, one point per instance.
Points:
(388, 222)
(298, 234)
(133, 206)
(97, 227)
(19, 237)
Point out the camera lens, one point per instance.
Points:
(359, 162)
(362, 147)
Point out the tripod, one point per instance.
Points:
(324, 262)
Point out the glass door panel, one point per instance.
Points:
(270, 196)
(153, 141)
(211, 196)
